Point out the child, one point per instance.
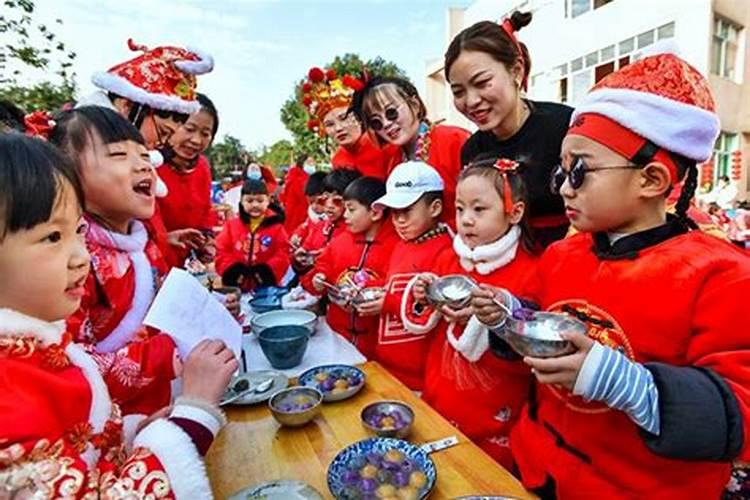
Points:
(316, 205)
(414, 193)
(359, 256)
(334, 185)
(293, 191)
(391, 108)
(126, 264)
(253, 248)
(61, 433)
(477, 391)
(654, 401)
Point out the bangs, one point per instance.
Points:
(380, 97)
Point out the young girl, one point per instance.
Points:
(359, 256)
(126, 264)
(488, 69)
(479, 392)
(61, 435)
(655, 402)
(253, 248)
(393, 110)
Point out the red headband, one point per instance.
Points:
(506, 166)
(511, 32)
(38, 124)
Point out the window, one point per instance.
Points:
(592, 59)
(562, 90)
(603, 70)
(724, 48)
(627, 46)
(575, 8)
(725, 144)
(607, 53)
(581, 83)
(560, 71)
(576, 64)
(666, 31)
(645, 39)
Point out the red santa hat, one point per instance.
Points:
(162, 78)
(653, 107)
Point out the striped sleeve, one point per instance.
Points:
(610, 377)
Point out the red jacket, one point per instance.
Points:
(136, 362)
(399, 350)
(482, 398)
(293, 198)
(677, 302)
(366, 157)
(268, 245)
(320, 234)
(366, 263)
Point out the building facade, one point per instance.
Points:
(575, 43)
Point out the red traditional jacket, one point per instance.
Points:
(350, 257)
(366, 157)
(293, 198)
(320, 234)
(399, 350)
(670, 300)
(268, 244)
(479, 392)
(136, 362)
(61, 436)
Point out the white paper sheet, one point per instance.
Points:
(188, 313)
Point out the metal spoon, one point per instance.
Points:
(245, 389)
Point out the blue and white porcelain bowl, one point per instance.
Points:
(336, 382)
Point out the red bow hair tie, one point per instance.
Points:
(39, 124)
(506, 166)
(511, 32)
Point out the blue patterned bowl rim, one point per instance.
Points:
(308, 377)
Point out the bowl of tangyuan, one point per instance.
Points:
(336, 382)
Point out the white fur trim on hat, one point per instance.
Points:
(122, 87)
(205, 64)
(677, 127)
(181, 460)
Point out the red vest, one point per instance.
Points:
(679, 302)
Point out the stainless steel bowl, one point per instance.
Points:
(406, 414)
(452, 290)
(538, 333)
(294, 417)
(366, 295)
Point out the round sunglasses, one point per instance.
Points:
(577, 174)
(391, 114)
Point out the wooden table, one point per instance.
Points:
(254, 448)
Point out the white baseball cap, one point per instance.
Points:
(407, 183)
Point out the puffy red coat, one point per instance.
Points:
(399, 350)
(366, 263)
(293, 198)
(676, 302)
(366, 157)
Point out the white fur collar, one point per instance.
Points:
(16, 323)
(130, 243)
(488, 258)
(313, 216)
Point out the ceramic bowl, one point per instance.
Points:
(284, 346)
(336, 382)
(537, 333)
(453, 290)
(295, 406)
(284, 317)
(261, 305)
(388, 418)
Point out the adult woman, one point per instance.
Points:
(488, 70)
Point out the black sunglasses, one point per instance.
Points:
(577, 174)
(375, 123)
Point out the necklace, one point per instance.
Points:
(422, 144)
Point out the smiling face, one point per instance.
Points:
(342, 126)
(118, 181)
(44, 268)
(392, 115)
(194, 137)
(484, 90)
(480, 214)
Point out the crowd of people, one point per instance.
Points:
(587, 212)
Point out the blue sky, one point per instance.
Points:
(261, 47)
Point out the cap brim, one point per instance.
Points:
(397, 200)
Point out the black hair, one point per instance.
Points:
(139, 112)
(431, 196)
(32, 173)
(338, 180)
(365, 190)
(404, 88)
(484, 166)
(314, 184)
(74, 129)
(251, 186)
(724, 178)
(300, 160)
(689, 170)
(207, 105)
(11, 116)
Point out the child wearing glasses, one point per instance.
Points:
(655, 400)
(392, 109)
(316, 204)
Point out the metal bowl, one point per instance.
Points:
(343, 295)
(537, 333)
(284, 317)
(366, 295)
(372, 412)
(452, 290)
(285, 409)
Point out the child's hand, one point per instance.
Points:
(460, 316)
(317, 282)
(372, 307)
(295, 241)
(486, 309)
(208, 370)
(186, 238)
(419, 290)
(564, 370)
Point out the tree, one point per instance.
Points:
(294, 114)
(25, 44)
(227, 156)
(279, 155)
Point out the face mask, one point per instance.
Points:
(309, 169)
(254, 175)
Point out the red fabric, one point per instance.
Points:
(307, 228)
(269, 245)
(346, 255)
(270, 179)
(366, 157)
(322, 233)
(139, 374)
(400, 351)
(483, 399)
(293, 198)
(689, 319)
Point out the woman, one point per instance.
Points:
(488, 70)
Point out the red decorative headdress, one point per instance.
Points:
(506, 166)
(511, 32)
(39, 124)
(324, 91)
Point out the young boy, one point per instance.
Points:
(414, 193)
(359, 256)
(316, 205)
(655, 401)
